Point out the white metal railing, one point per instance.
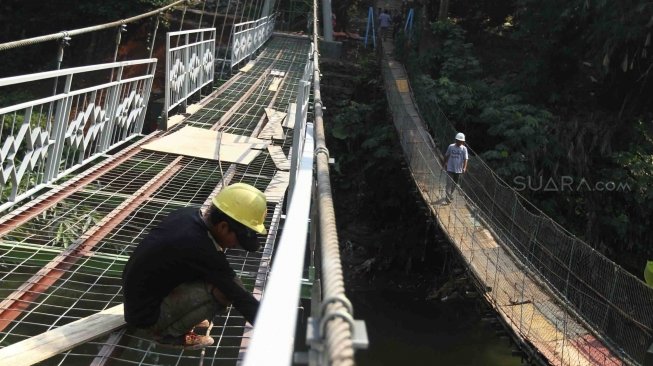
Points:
(189, 66)
(43, 138)
(273, 338)
(301, 114)
(248, 37)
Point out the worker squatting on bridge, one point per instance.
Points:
(455, 162)
(178, 278)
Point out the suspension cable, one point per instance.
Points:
(156, 28)
(64, 34)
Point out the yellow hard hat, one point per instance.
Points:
(245, 204)
(648, 273)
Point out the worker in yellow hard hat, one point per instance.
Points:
(178, 278)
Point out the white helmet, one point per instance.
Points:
(460, 136)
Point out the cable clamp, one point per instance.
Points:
(341, 298)
(322, 149)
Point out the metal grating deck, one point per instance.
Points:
(98, 224)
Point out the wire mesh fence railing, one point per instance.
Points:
(591, 289)
(538, 319)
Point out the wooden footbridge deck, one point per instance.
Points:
(544, 327)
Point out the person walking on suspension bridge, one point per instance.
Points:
(455, 163)
(384, 24)
(178, 278)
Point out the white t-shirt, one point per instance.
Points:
(457, 156)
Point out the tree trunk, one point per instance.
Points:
(444, 10)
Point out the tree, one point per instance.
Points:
(443, 14)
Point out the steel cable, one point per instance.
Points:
(63, 34)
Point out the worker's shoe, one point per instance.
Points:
(189, 341)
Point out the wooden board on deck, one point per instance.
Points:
(273, 129)
(225, 138)
(277, 187)
(289, 122)
(274, 115)
(248, 66)
(543, 334)
(274, 86)
(205, 144)
(279, 157)
(56, 341)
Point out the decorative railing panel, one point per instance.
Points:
(248, 37)
(44, 136)
(189, 64)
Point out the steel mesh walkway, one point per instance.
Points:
(89, 230)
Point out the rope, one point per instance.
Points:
(339, 332)
(63, 34)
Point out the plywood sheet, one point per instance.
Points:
(289, 122)
(275, 115)
(273, 129)
(205, 145)
(279, 157)
(277, 187)
(225, 138)
(274, 86)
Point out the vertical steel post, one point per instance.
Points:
(58, 133)
(267, 5)
(327, 25)
(166, 104)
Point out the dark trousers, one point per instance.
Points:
(452, 183)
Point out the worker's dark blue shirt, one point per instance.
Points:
(177, 251)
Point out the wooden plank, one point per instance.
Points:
(279, 158)
(402, 85)
(56, 341)
(248, 66)
(274, 86)
(277, 186)
(275, 115)
(225, 138)
(273, 129)
(289, 121)
(205, 145)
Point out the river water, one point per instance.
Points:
(404, 329)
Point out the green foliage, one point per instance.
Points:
(603, 45)
(524, 135)
(454, 58)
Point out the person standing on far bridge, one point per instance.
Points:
(178, 278)
(455, 163)
(384, 24)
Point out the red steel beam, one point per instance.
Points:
(49, 199)
(19, 300)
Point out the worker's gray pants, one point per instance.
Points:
(452, 183)
(186, 306)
